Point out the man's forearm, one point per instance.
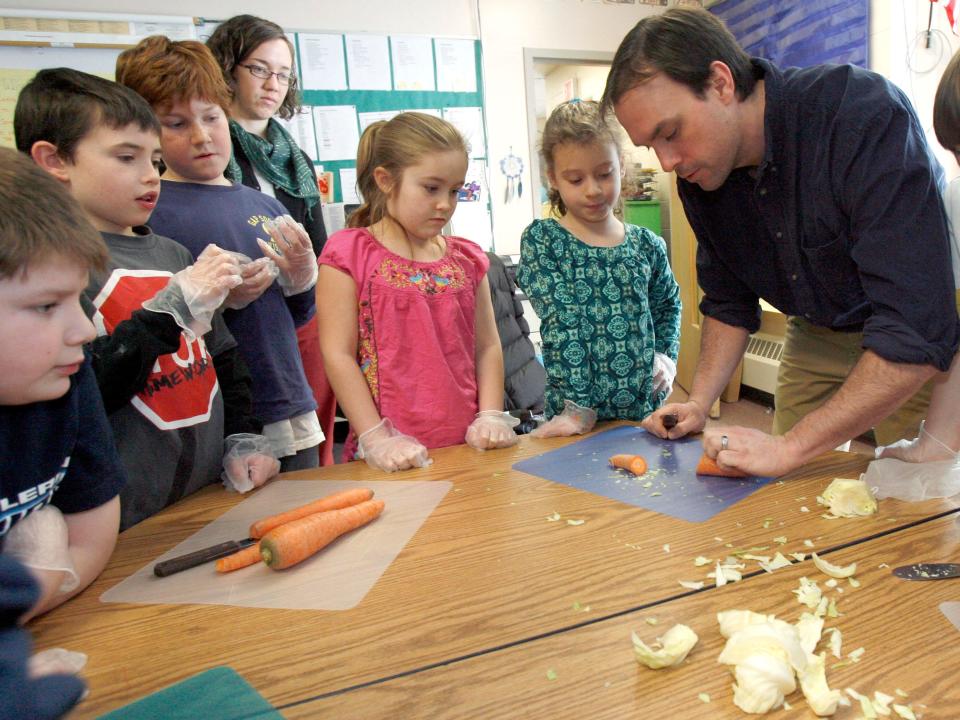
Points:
(873, 390)
(721, 350)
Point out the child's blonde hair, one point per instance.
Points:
(579, 122)
(395, 145)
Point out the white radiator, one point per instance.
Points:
(762, 361)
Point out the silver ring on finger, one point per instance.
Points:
(724, 442)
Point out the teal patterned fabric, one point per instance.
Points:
(603, 312)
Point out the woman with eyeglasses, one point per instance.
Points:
(257, 61)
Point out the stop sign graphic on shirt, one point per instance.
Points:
(180, 389)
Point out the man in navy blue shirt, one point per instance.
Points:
(815, 190)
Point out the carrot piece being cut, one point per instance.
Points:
(632, 463)
(708, 466)
(240, 559)
(295, 541)
(337, 500)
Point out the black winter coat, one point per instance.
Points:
(524, 377)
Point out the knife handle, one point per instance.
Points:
(199, 557)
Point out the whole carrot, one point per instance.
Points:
(295, 541)
(708, 466)
(337, 500)
(633, 463)
(240, 559)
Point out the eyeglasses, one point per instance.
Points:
(258, 71)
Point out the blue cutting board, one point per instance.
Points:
(670, 486)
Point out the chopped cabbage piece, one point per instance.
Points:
(849, 498)
(762, 681)
(732, 621)
(809, 628)
(779, 561)
(808, 593)
(673, 648)
(692, 584)
(813, 682)
(904, 711)
(835, 571)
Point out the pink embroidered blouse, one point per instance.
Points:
(416, 333)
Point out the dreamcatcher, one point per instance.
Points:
(512, 168)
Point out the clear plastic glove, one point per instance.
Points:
(386, 448)
(892, 478)
(42, 541)
(290, 248)
(924, 448)
(574, 420)
(55, 661)
(249, 461)
(492, 429)
(664, 373)
(257, 275)
(195, 293)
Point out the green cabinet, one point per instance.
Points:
(645, 213)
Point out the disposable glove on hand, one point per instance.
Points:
(664, 373)
(257, 276)
(492, 429)
(292, 251)
(195, 293)
(924, 448)
(42, 541)
(56, 661)
(574, 420)
(249, 461)
(385, 448)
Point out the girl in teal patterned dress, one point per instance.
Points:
(608, 303)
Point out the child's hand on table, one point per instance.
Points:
(249, 461)
(574, 420)
(492, 429)
(385, 448)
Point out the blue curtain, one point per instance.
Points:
(799, 32)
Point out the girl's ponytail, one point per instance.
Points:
(374, 201)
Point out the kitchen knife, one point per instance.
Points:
(199, 557)
(928, 571)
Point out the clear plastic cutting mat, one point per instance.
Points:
(336, 578)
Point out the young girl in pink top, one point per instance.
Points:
(407, 328)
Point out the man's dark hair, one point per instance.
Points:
(61, 106)
(681, 43)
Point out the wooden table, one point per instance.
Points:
(486, 570)
(909, 645)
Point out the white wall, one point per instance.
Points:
(897, 51)
(417, 17)
(506, 27)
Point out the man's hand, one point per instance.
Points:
(752, 451)
(689, 417)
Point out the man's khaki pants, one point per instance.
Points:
(815, 363)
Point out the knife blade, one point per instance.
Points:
(199, 557)
(928, 571)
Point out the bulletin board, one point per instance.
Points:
(346, 80)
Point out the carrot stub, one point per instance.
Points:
(708, 466)
(337, 500)
(240, 559)
(632, 463)
(295, 541)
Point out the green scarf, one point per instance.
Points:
(278, 159)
